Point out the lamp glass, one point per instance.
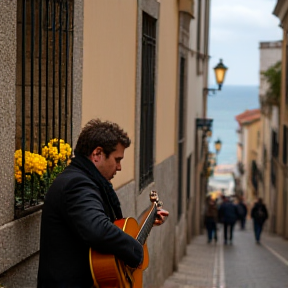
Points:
(218, 145)
(220, 71)
(209, 133)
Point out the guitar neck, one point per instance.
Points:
(147, 225)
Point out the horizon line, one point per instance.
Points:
(235, 85)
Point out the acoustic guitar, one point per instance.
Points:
(110, 272)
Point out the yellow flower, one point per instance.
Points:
(33, 163)
(18, 176)
(51, 152)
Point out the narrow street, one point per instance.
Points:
(244, 264)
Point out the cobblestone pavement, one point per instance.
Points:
(244, 264)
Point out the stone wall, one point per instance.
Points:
(19, 239)
(7, 107)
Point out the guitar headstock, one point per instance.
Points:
(154, 198)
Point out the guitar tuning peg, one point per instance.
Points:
(153, 193)
(159, 204)
(153, 196)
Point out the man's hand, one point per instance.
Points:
(160, 217)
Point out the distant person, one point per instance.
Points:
(228, 215)
(242, 213)
(211, 215)
(259, 214)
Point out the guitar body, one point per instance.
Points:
(109, 272)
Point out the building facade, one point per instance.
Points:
(247, 153)
(270, 55)
(142, 64)
(281, 216)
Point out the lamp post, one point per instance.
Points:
(217, 145)
(220, 71)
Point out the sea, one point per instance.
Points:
(222, 107)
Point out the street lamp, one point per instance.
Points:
(220, 71)
(209, 133)
(217, 145)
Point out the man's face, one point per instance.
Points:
(108, 166)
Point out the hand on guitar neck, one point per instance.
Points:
(160, 217)
(161, 213)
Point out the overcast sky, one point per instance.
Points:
(236, 28)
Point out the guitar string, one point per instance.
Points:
(147, 226)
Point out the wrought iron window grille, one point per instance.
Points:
(44, 94)
(147, 100)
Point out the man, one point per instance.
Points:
(242, 213)
(80, 208)
(227, 215)
(210, 219)
(259, 214)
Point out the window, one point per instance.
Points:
(286, 93)
(188, 185)
(285, 142)
(181, 133)
(274, 144)
(147, 100)
(44, 93)
(199, 39)
(274, 156)
(254, 175)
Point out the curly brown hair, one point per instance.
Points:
(105, 134)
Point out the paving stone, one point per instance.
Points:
(244, 264)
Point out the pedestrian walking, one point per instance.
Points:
(228, 215)
(259, 214)
(211, 216)
(242, 213)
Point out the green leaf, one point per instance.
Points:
(273, 77)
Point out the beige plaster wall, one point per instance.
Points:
(253, 138)
(166, 91)
(109, 69)
(193, 29)
(251, 154)
(196, 82)
(194, 102)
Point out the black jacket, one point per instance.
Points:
(241, 210)
(259, 213)
(78, 212)
(228, 213)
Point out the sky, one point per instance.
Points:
(236, 29)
